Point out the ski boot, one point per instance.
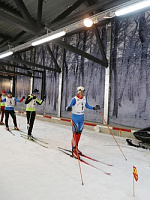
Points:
(7, 128)
(75, 154)
(79, 152)
(16, 128)
(30, 137)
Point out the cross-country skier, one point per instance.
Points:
(31, 110)
(77, 106)
(2, 104)
(9, 109)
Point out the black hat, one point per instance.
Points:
(9, 92)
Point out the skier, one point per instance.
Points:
(2, 104)
(77, 106)
(30, 102)
(9, 109)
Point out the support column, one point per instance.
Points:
(31, 85)
(60, 84)
(107, 74)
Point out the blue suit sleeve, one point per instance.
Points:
(17, 100)
(72, 103)
(4, 100)
(88, 106)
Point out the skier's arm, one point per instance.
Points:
(4, 100)
(39, 102)
(22, 99)
(28, 99)
(72, 103)
(88, 106)
(17, 100)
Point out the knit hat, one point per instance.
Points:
(3, 92)
(80, 88)
(9, 92)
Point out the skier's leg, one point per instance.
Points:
(6, 118)
(31, 122)
(13, 115)
(2, 113)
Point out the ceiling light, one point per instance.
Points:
(88, 22)
(48, 38)
(132, 8)
(5, 54)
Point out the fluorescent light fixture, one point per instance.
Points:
(5, 54)
(88, 22)
(48, 38)
(132, 8)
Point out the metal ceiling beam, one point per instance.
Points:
(8, 72)
(99, 41)
(79, 52)
(2, 62)
(31, 64)
(68, 11)
(52, 56)
(101, 16)
(9, 9)
(17, 22)
(25, 13)
(39, 14)
(5, 76)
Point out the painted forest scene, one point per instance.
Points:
(130, 68)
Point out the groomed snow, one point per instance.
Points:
(31, 172)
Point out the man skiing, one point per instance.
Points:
(2, 104)
(77, 106)
(31, 110)
(9, 109)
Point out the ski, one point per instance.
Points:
(83, 161)
(32, 140)
(10, 132)
(19, 130)
(88, 157)
(138, 145)
(35, 138)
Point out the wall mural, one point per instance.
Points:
(130, 67)
(5, 84)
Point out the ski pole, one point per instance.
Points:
(147, 153)
(112, 134)
(77, 152)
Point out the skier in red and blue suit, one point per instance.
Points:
(77, 106)
(9, 109)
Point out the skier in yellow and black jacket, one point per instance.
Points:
(31, 110)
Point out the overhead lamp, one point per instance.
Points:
(132, 8)
(48, 38)
(5, 54)
(88, 22)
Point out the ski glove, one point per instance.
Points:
(97, 107)
(34, 97)
(69, 108)
(23, 97)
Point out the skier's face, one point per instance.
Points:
(81, 93)
(9, 95)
